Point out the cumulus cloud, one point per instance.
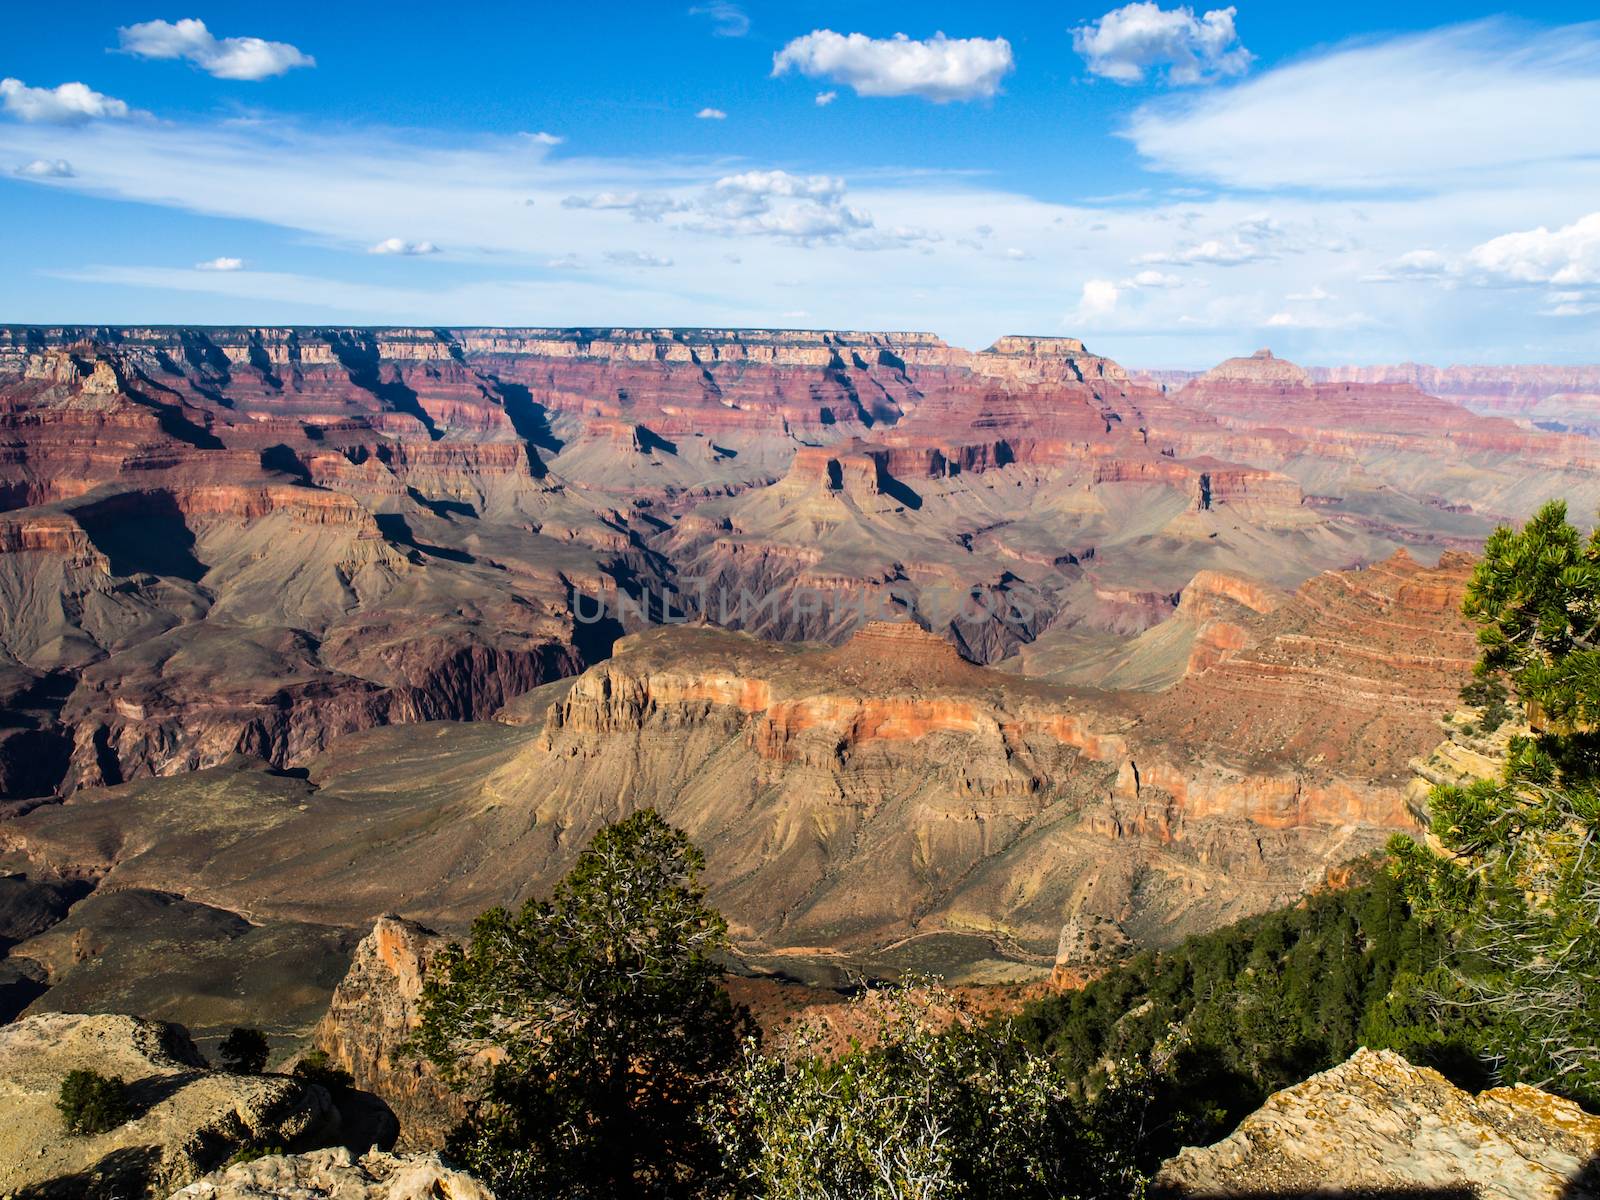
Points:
(46, 168)
(544, 139)
(1099, 299)
(636, 258)
(711, 114)
(641, 206)
(1564, 257)
(396, 245)
(220, 264)
(1136, 39)
(68, 104)
(940, 69)
(1454, 107)
(826, 98)
(246, 58)
(803, 208)
(727, 19)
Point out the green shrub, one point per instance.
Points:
(93, 1103)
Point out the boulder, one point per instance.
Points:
(1378, 1126)
(338, 1173)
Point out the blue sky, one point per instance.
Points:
(1355, 183)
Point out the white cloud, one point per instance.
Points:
(1216, 252)
(1099, 299)
(826, 188)
(46, 168)
(938, 69)
(1453, 107)
(636, 258)
(1154, 279)
(711, 114)
(545, 139)
(1565, 257)
(641, 206)
(1315, 294)
(567, 262)
(396, 245)
(247, 58)
(826, 98)
(68, 104)
(1138, 38)
(728, 19)
(1414, 264)
(803, 208)
(220, 264)
(1016, 254)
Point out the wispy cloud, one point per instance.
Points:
(727, 19)
(46, 168)
(1454, 106)
(636, 258)
(396, 245)
(711, 114)
(220, 264)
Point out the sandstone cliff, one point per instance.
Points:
(372, 1013)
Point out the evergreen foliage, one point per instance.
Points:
(1516, 875)
(590, 1031)
(1236, 1014)
(92, 1103)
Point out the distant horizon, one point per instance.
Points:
(1131, 365)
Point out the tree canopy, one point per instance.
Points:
(1514, 865)
(589, 1030)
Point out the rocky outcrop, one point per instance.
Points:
(187, 1118)
(372, 1013)
(1378, 1126)
(338, 1173)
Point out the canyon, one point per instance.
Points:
(978, 662)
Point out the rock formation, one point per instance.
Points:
(372, 1013)
(187, 1118)
(867, 807)
(340, 1174)
(382, 526)
(1378, 1126)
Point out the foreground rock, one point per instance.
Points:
(188, 1118)
(1378, 1125)
(338, 1173)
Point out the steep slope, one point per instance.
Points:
(874, 806)
(379, 526)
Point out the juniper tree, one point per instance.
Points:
(1518, 879)
(589, 1031)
